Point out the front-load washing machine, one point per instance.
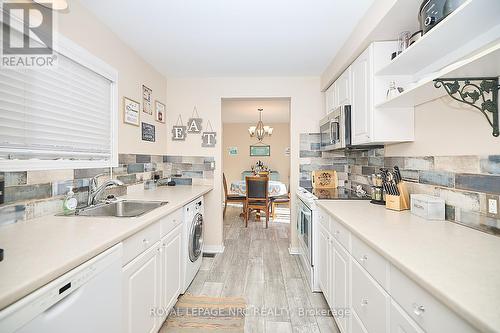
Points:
(192, 240)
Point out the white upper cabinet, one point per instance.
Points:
(343, 87)
(371, 125)
(331, 100)
(361, 97)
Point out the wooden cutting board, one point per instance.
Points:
(324, 179)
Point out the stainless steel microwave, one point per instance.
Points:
(335, 129)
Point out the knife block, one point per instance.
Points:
(398, 202)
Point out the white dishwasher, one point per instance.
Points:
(86, 299)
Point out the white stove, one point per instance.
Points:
(307, 212)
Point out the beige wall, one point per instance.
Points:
(236, 135)
(206, 94)
(83, 28)
(447, 127)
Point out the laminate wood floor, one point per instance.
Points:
(256, 265)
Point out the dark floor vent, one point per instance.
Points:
(209, 255)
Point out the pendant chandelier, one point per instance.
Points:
(260, 131)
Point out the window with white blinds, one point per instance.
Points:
(64, 114)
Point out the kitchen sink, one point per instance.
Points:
(122, 208)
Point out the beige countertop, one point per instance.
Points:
(457, 265)
(39, 250)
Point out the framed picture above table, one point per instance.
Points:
(260, 150)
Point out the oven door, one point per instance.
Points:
(305, 232)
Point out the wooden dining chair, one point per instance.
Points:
(231, 197)
(279, 200)
(257, 197)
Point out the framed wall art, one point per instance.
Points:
(148, 132)
(147, 96)
(160, 111)
(263, 150)
(131, 111)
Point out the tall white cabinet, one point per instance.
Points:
(361, 97)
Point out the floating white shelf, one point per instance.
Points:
(449, 40)
(483, 63)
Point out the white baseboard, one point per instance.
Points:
(213, 248)
(293, 250)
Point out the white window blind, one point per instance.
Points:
(62, 113)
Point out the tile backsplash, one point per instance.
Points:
(463, 181)
(31, 194)
(311, 159)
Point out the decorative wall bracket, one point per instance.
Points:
(475, 92)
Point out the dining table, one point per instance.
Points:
(275, 188)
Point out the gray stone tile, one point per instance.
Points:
(182, 181)
(157, 158)
(89, 173)
(126, 158)
(308, 153)
(135, 168)
(120, 170)
(491, 165)
(460, 199)
(449, 212)
(419, 163)
(15, 178)
(376, 161)
(192, 174)
(61, 187)
(172, 159)
(127, 179)
(391, 162)
(143, 159)
(368, 170)
(315, 146)
(305, 183)
(149, 167)
(457, 164)
(208, 174)
(410, 175)
(441, 178)
(479, 183)
(28, 192)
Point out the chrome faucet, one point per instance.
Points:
(95, 191)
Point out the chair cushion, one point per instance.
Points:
(235, 197)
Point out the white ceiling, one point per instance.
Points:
(192, 38)
(236, 110)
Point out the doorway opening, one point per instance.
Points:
(254, 149)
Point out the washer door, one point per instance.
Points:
(196, 237)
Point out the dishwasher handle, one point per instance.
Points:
(62, 304)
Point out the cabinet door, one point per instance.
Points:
(341, 283)
(401, 322)
(171, 268)
(343, 86)
(331, 100)
(141, 292)
(323, 265)
(361, 98)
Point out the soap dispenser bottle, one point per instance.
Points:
(70, 202)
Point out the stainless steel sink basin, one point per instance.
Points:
(122, 208)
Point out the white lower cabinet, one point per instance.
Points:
(152, 281)
(341, 284)
(369, 300)
(381, 299)
(401, 322)
(141, 291)
(323, 262)
(171, 268)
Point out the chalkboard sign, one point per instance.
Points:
(148, 132)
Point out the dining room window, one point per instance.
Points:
(62, 117)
